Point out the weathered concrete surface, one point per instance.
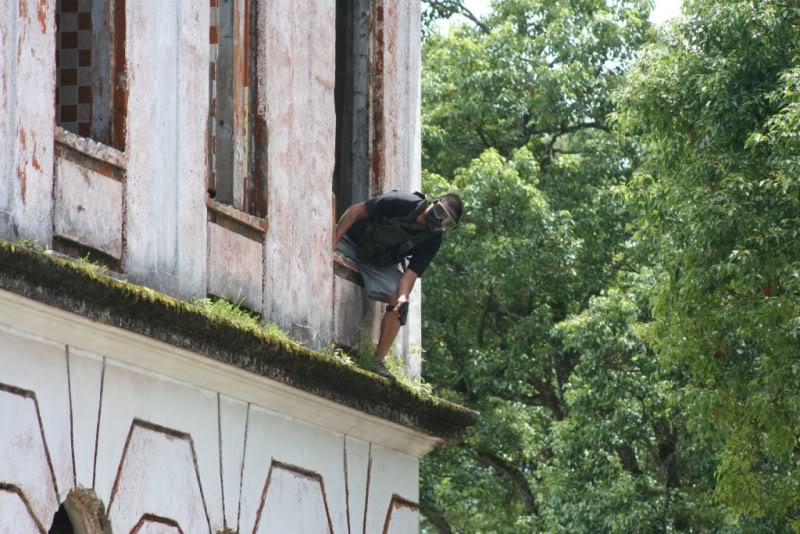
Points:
(27, 89)
(401, 148)
(274, 438)
(401, 519)
(233, 428)
(167, 120)
(158, 476)
(37, 413)
(177, 452)
(88, 207)
(288, 489)
(132, 400)
(15, 516)
(297, 82)
(386, 465)
(349, 312)
(235, 267)
(357, 463)
(85, 379)
(23, 453)
(160, 227)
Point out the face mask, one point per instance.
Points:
(439, 219)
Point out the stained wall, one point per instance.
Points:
(144, 205)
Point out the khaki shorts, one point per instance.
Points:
(380, 282)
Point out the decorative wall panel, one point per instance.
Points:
(167, 457)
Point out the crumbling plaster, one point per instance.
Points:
(27, 95)
(160, 231)
(298, 48)
(166, 145)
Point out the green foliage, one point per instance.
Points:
(233, 312)
(514, 121)
(715, 102)
(31, 244)
(629, 338)
(87, 263)
(363, 356)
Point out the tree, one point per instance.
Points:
(716, 104)
(514, 120)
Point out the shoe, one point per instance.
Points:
(380, 369)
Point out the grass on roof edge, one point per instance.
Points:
(269, 355)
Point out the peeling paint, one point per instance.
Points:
(21, 172)
(41, 14)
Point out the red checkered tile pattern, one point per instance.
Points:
(74, 65)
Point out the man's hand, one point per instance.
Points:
(403, 313)
(401, 309)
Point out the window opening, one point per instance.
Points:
(91, 92)
(236, 138)
(351, 100)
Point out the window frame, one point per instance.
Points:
(117, 109)
(244, 189)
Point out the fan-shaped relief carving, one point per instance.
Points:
(17, 511)
(158, 485)
(402, 516)
(26, 467)
(293, 500)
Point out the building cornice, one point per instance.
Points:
(57, 300)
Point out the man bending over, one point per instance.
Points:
(380, 235)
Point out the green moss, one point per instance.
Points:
(363, 355)
(225, 336)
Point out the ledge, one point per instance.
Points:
(244, 224)
(345, 268)
(143, 311)
(91, 148)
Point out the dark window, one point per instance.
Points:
(91, 93)
(236, 138)
(351, 98)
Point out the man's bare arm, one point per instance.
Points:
(354, 213)
(405, 286)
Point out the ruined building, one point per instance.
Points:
(202, 148)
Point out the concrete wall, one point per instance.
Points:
(298, 82)
(85, 406)
(27, 97)
(145, 207)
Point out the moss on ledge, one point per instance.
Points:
(142, 310)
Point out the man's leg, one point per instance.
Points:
(390, 326)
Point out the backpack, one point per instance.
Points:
(387, 240)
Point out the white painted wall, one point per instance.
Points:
(150, 445)
(27, 96)
(167, 53)
(152, 217)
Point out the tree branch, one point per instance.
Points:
(628, 458)
(457, 6)
(435, 516)
(513, 474)
(546, 398)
